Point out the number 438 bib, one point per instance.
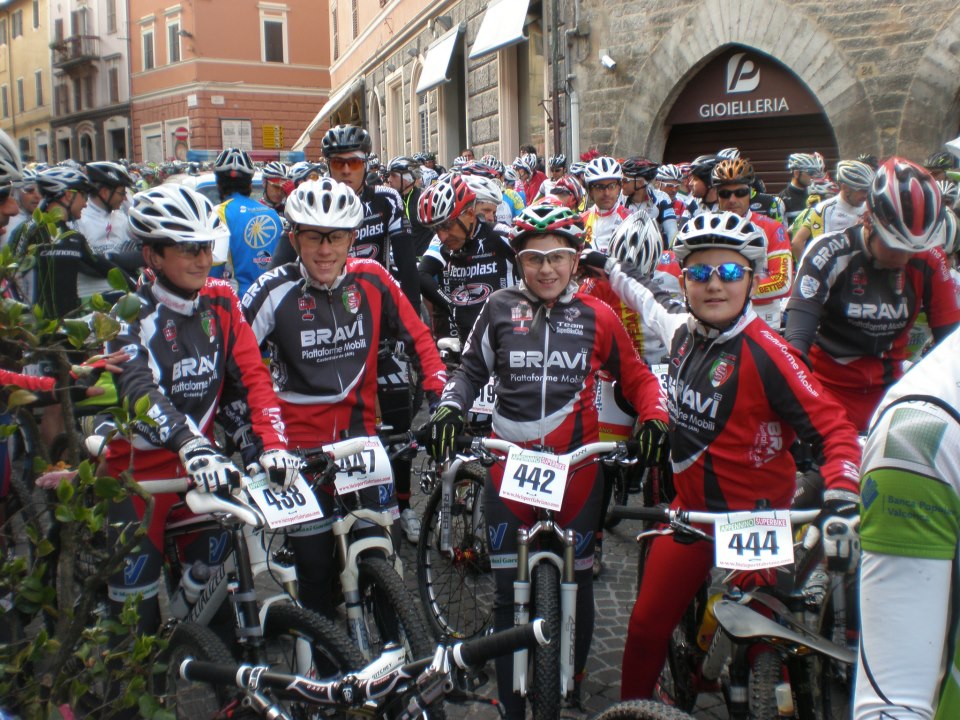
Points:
(535, 478)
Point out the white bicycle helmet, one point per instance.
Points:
(730, 153)
(235, 162)
(486, 190)
(10, 166)
(600, 169)
(276, 170)
(905, 206)
(523, 163)
(723, 230)
(531, 160)
(54, 182)
(950, 229)
(172, 213)
(324, 203)
(669, 173)
(638, 242)
(804, 162)
(948, 191)
(854, 174)
(509, 174)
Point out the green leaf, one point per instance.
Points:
(63, 513)
(77, 332)
(107, 487)
(142, 405)
(20, 397)
(65, 491)
(45, 547)
(128, 307)
(40, 465)
(85, 471)
(117, 280)
(98, 304)
(105, 327)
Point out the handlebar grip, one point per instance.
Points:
(653, 514)
(220, 674)
(473, 653)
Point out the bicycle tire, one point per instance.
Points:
(545, 677)
(25, 497)
(621, 496)
(333, 653)
(184, 698)
(457, 591)
(765, 674)
(390, 610)
(642, 710)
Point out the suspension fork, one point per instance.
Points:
(243, 596)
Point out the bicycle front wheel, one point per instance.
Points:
(301, 642)
(545, 689)
(456, 586)
(186, 699)
(390, 611)
(642, 710)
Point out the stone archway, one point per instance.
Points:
(682, 52)
(931, 112)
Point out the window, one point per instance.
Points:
(24, 144)
(3, 31)
(36, 14)
(113, 75)
(148, 49)
(78, 22)
(273, 41)
(16, 24)
(57, 30)
(38, 83)
(173, 42)
(395, 139)
(4, 106)
(333, 22)
(77, 95)
(20, 104)
(355, 10)
(61, 100)
(88, 87)
(111, 16)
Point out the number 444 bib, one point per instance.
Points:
(753, 540)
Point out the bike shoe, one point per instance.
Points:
(410, 524)
(597, 561)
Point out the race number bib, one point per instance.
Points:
(484, 403)
(661, 371)
(367, 468)
(535, 478)
(293, 506)
(754, 540)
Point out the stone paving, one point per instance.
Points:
(614, 594)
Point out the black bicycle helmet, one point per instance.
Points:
(108, 174)
(346, 138)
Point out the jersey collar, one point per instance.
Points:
(711, 333)
(310, 282)
(176, 303)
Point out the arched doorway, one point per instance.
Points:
(749, 100)
(86, 147)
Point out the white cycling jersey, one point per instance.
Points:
(910, 531)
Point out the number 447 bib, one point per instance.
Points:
(535, 478)
(753, 540)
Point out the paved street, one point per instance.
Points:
(614, 593)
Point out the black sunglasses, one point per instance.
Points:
(727, 194)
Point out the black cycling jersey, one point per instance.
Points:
(794, 202)
(769, 205)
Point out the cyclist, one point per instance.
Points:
(669, 179)
(304, 170)
(841, 211)
(530, 178)
(489, 197)
(254, 228)
(467, 261)
(732, 180)
(911, 498)
(569, 192)
(547, 407)
(803, 168)
(321, 320)
(638, 194)
(737, 395)
(603, 178)
(557, 168)
(403, 173)
(858, 291)
(103, 221)
(189, 345)
(276, 185)
(703, 196)
(939, 164)
(27, 197)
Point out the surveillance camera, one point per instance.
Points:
(608, 62)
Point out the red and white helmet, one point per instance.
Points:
(445, 200)
(905, 206)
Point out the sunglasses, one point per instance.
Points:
(604, 187)
(727, 194)
(193, 249)
(315, 237)
(353, 163)
(727, 272)
(559, 258)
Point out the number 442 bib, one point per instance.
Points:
(535, 478)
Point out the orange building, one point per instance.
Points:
(208, 74)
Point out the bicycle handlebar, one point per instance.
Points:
(663, 514)
(474, 653)
(579, 455)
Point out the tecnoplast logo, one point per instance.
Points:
(742, 75)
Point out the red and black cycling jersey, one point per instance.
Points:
(544, 360)
(861, 315)
(323, 344)
(183, 354)
(460, 282)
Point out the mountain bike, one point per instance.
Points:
(389, 688)
(710, 647)
(642, 710)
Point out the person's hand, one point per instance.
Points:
(594, 261)
(653, 442)
(840, 527)
(282, 467)
(444, 426)
(208, 468)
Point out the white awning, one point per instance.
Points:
(329, 107)
(502, 26)
(437, 62)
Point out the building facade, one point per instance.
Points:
(25, 89)
(218, 73)
(89, 49)
(668, 80)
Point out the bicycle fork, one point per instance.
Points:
(568, 600)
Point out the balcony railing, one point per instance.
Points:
(75, 51)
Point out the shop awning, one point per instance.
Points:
(329, 107)
(502, 26)
(437, 63)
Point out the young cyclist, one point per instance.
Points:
(540, 404)
(189, 346)
(321, 320)
(737, 395)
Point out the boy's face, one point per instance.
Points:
(715, 302)
(548, 263)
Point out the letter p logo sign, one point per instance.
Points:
(743, 75)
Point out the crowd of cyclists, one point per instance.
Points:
(783, 319)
